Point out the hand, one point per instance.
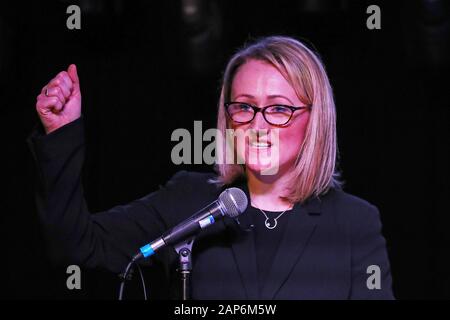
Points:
(60, 100)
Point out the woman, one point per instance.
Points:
(301, 237)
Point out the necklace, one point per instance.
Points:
(271, 223)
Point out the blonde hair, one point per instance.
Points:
(315, 169)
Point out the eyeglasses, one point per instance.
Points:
(276, 114)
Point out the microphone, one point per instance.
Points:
(231, 202)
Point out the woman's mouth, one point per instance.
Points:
(260, 144)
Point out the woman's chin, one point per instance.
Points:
(263, 168)
(261, 162)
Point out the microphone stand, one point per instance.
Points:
(184, 250)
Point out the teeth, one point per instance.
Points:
(260, 144)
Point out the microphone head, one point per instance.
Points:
(234, 200)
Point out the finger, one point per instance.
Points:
(66, 78)
(73, 74)
(62, 77)
(54, 103)
(61, 84)
(65, 89)
(56, 92)
(72, 71)
(47, 104)
(40, 97)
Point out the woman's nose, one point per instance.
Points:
(259, 122)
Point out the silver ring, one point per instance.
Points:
(46, 92)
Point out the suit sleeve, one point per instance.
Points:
(371, 275)
(104, 240)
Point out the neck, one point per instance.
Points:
(266, 191)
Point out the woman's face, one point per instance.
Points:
(276, 148)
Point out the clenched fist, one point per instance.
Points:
(60, 100)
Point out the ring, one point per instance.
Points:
(46, 92)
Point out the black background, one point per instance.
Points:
(145, 70)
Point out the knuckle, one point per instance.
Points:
(64, 92)
(69, 84)
(42, 104)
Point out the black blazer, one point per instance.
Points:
(328, 245)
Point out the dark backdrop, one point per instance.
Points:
(148, 67)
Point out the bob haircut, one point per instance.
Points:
(315, 170)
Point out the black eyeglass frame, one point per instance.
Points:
(263, 111)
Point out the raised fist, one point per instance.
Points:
(60, 100)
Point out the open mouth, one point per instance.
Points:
(260, 144)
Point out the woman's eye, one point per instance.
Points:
(244, 107)
(281, 109)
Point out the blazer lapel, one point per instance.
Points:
(244, 253)
(243, 247)
(301, 225)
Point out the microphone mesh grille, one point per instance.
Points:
(234, 200)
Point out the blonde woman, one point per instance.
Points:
(301, 237)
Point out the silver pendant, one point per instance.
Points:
(270, 225)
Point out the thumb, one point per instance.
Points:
(72, 71)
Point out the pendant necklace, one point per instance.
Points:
(271, 223)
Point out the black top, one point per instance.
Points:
(329, 248)
(267, 240)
